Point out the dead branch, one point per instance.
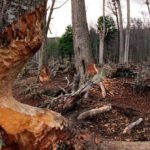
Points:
(63, 89)
(102, 89)
(66, 102)
(132, 125)
(68, 81)
(94, 112)
(120, 145)
(61, 5)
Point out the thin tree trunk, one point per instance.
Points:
(43, 59)
(82, 46)
(121, 55)
(147, 3)
(117, 20)
(101, 49)
(127, 41)
(102, 38)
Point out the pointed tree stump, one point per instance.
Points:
(29, 127)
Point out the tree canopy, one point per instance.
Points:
(66, 42)
(109, 25)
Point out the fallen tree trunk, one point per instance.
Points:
(119, 145)
(29, 127)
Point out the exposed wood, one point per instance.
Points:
(119, 145)
(43, 58)
(103, 89)
(132, 125)
(29, 127)
(44, 74)
(94, 112)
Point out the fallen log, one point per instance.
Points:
(64, 103)
(132, 125)
(94, 112)
(120, 145)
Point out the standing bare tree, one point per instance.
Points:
(82, 46)
(127, 40)
(43, 59)
(121, 55)
(102, 37)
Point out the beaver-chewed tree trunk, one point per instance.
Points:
(31, 128)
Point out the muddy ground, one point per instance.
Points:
(129, 104)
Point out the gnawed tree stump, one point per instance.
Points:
(29, 127)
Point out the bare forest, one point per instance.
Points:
(86, 89)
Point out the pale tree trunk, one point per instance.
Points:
(82, 46)
(121, 55)
(29, 127)
(127, 40)
(117, 20)
(102, 38)
(43, 56)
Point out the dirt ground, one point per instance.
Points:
(128, 103)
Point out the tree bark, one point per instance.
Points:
(102, 38)
(127, 41)
(121, 55)
(119, 145)
(147, 3)
(82, 46)
(31, 128)
(43, 58)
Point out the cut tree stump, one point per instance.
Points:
(29, 127)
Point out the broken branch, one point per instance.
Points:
(102, 89)
(132, 125)
(94, 112)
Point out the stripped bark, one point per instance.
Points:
(29, 127)
(132, 125)
(94, 112)
(120, 145)
(102, 89)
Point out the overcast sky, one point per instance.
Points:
(62, 16)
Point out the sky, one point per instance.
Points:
(62, 16)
